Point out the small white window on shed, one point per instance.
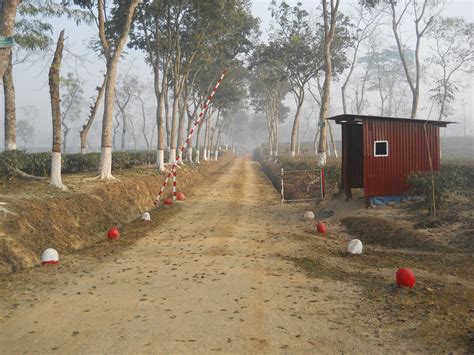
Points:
(381, 149)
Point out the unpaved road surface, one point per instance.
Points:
(213, 278)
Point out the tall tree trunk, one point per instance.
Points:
(322, 148)
(112, 63)
(85, 128)
(174, 127)
(275, 137)
(160, 97)
(329, 33)
(7, 23)
(10, 107)
(116, 130)
(198, 135)
(294, 131)
(134, 136)
(333, 142)
(56, 114)
(189, 151)
(181, 126)
(206, 139)
(65, 134)
(167, 118)
(106, 145)
(124, 130)
(144, 130)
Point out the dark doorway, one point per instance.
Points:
(352, 157)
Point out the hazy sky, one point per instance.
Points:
(31, 81)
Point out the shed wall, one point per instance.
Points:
(408, 152)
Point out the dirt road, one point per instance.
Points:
(214, 277)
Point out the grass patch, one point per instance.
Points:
(317, 269)
(386, 233)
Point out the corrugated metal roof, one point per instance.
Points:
(354, 118)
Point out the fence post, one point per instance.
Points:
(282, 187)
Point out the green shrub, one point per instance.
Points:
(451, 178)
(10, 161)
(143, 158)
(78, 163)
(38, 164)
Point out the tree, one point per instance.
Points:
(32, 34)
(423, 13)
(113, 26)
(267, 91)
(29, 36)
(127, 89)
(385, 75)
(423, 16)
(174, 35)
(54, 84)
(152, 34)
(25, 131)
(295, 50)
(145, 129)
(366, 22)
(227, 102)
(84, 133)
(453, 53)
(71, 103)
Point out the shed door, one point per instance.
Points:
(352, 156)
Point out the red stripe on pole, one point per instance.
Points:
(179, 157)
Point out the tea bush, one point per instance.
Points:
(39, 164)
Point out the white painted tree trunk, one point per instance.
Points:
(106, 164)
(10, 109)
(112, 60)
(160, 159)
(216, 155)
(172, 157)
(204, 154)
(56, 172)
(322, 159)
(189, 154)
(197, 156)
(56, 114)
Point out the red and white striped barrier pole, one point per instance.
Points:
(183, 148)
(174, 183)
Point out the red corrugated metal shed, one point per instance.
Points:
(402, 147)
